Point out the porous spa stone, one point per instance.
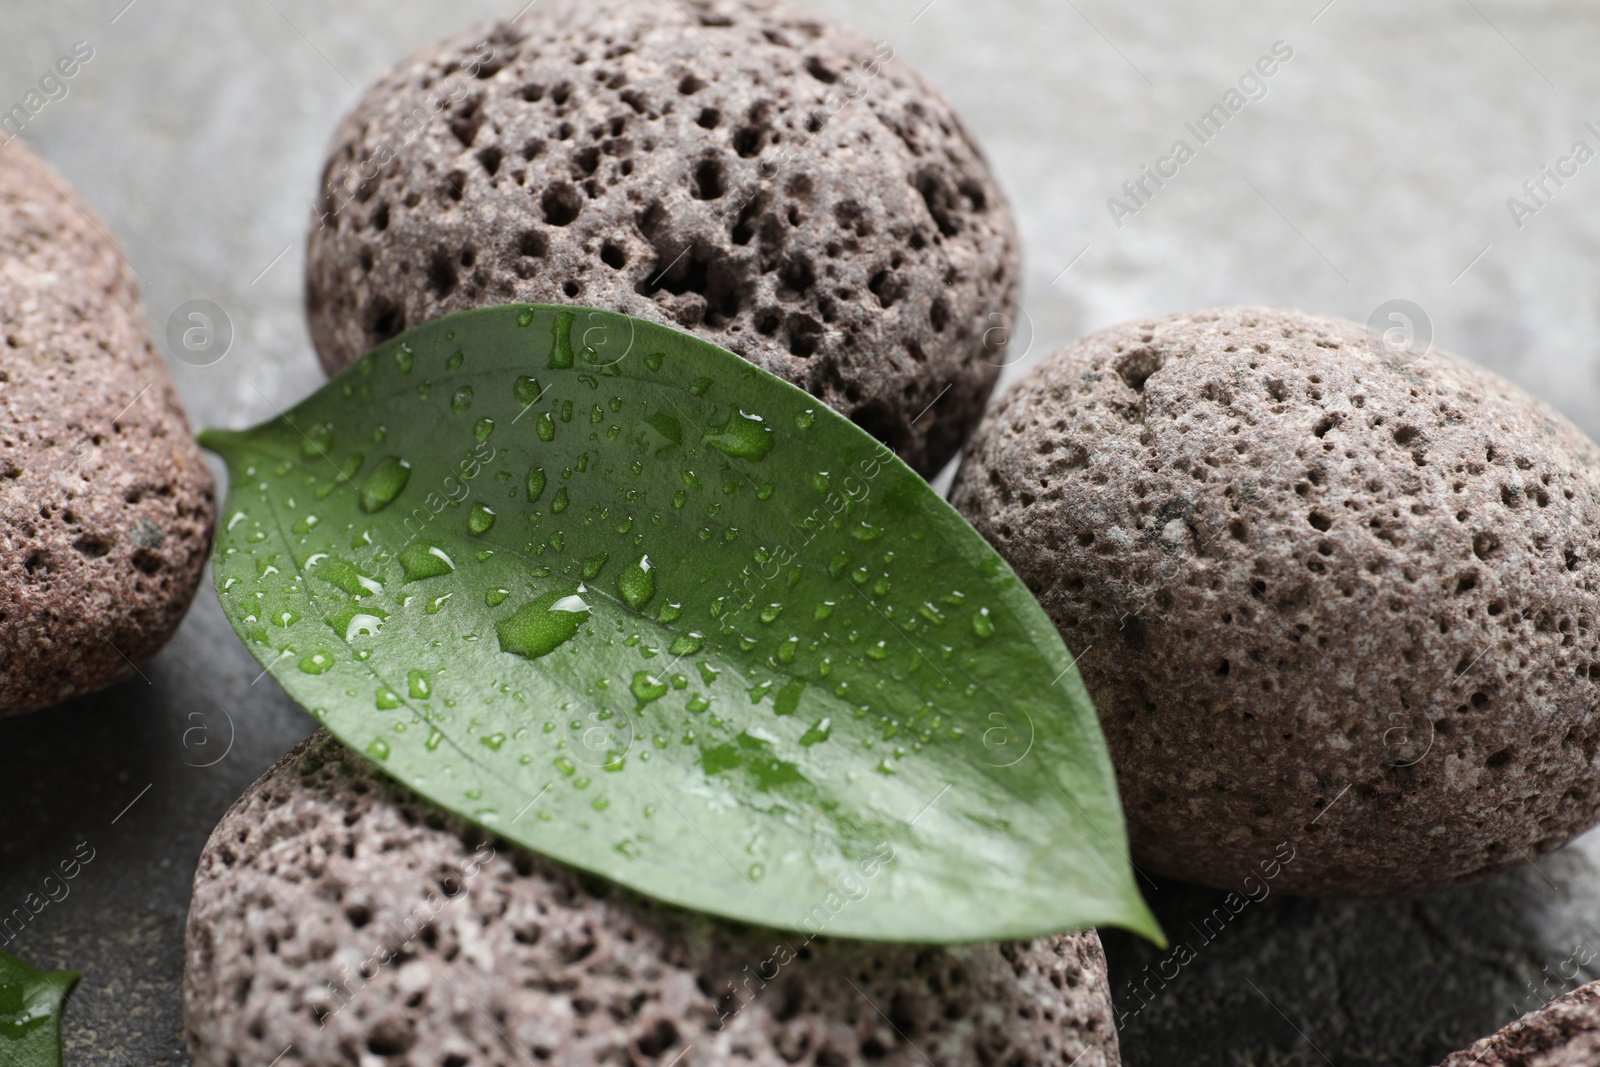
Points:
(1326, 603)
(1563, 1033)
(339, 916)
(753, 173)
(106, 506)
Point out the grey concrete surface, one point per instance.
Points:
(1377, 166)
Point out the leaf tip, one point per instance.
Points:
(1142, 921)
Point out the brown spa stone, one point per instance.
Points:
(338, 918)
(750, 172)
(106, 506)
(1323, 600)
(1563, 1033)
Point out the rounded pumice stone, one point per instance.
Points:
(1322, 599)
(1565, 1032)
(753, 173)
(339, 918)
(106, 505)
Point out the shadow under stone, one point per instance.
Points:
(1370, 983)
(120, 789)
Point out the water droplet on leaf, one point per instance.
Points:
(788, 699)
(384, 483)
(646, 687)
(422, 560)
(637, 584)
(818, 733)
(561, 351)
(318, 440)
(480, 520)
(745, 437)
(542, 625)
(687, 644)
(982, 624)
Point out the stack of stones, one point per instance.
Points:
(1339, 611)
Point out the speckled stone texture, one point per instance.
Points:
(340, 916)
(753, 173)
(106, 507)
(1322, 600)
(1563, 1033)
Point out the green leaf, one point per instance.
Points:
(619, 596)
(30, 1013)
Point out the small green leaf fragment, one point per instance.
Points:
(30, 1013)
